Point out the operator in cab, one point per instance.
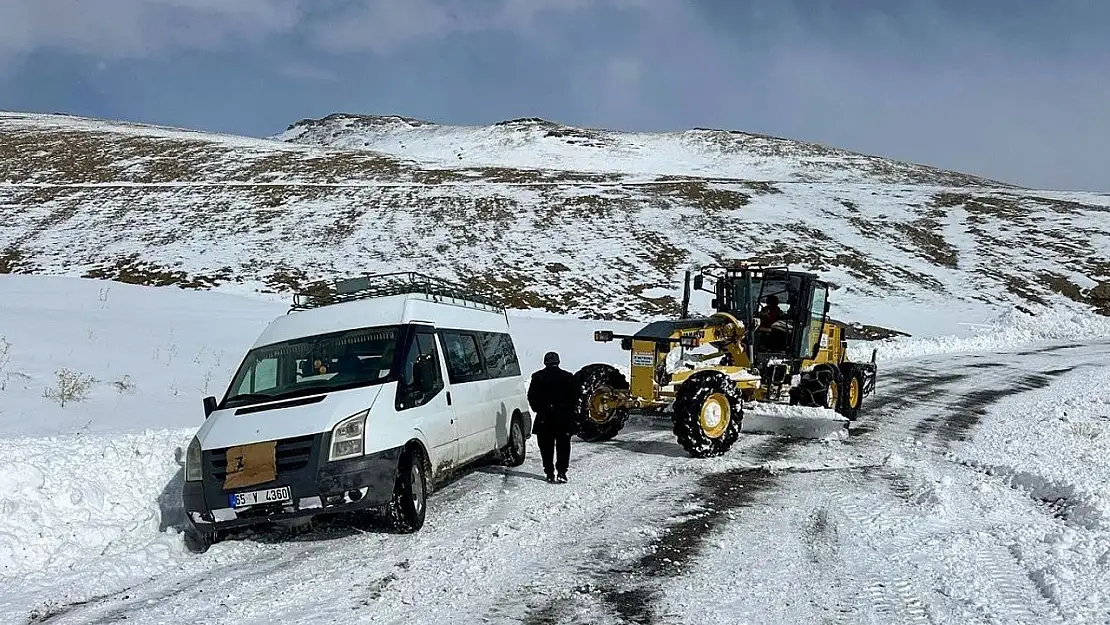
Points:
(770, 313)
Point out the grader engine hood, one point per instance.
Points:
(651, 344)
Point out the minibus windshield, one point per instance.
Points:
(315, 364)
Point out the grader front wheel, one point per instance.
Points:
(707, 414)
(599, 411)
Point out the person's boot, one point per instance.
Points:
(562, 479)
(551, 478)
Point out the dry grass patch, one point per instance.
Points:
(520, 176)
(13, 260)
(131, 270)
(510, 286)
(442, 176)
(923, 234)
(57, 157)
(980, 207)
(1020, 286)
(496, 210)
(700, 194)
(75, 157)
(296, 280)
(660, 254)
(330, 168)
(1097, 297)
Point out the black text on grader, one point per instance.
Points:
(799, 359)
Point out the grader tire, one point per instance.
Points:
(592, 379)
(851, 394)
(814, 392)
(707, 414)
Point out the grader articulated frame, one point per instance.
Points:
(799, 359)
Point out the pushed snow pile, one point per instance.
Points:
(1062, 462)
(1052, 445)
(794, 421)
(1011, 330)
(66, 499)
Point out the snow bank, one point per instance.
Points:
(534, 335)
(1011, 330)
(1053, 445)
(149, 355)
(66, 499)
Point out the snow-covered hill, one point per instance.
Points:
(538, 143)
(606, 232)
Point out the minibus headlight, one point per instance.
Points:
(192, 462)
(348, 437)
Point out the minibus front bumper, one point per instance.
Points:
(306, 485)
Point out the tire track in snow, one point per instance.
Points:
(894, 598)
(629, 592)
(957, 417)
(911, 388)
(1011, 589)
(891, 536)
(885, 590)
(115, 607)
(632, 596)
(890, 527)
(895, 535)
(940, 408)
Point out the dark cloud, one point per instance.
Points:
(1016, 91)
(139, 28)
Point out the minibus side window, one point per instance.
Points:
(497, 347)
(464, 359)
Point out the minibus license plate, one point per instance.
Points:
(269, 495)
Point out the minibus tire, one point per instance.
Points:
(410, 492)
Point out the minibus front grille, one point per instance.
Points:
(292, 454)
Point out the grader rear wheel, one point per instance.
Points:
(707, 414)
(852, 395)
(832, 395)
(822, 388)
(599, 413)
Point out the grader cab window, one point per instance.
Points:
(811, 333)
(779, 308)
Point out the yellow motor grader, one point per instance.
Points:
(759, 352)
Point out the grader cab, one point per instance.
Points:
(768, 340)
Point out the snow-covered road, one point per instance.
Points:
(944, 507)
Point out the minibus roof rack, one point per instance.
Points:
(326, 293)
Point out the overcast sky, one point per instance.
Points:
(1018, 90)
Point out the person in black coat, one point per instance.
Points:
(552, 396)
